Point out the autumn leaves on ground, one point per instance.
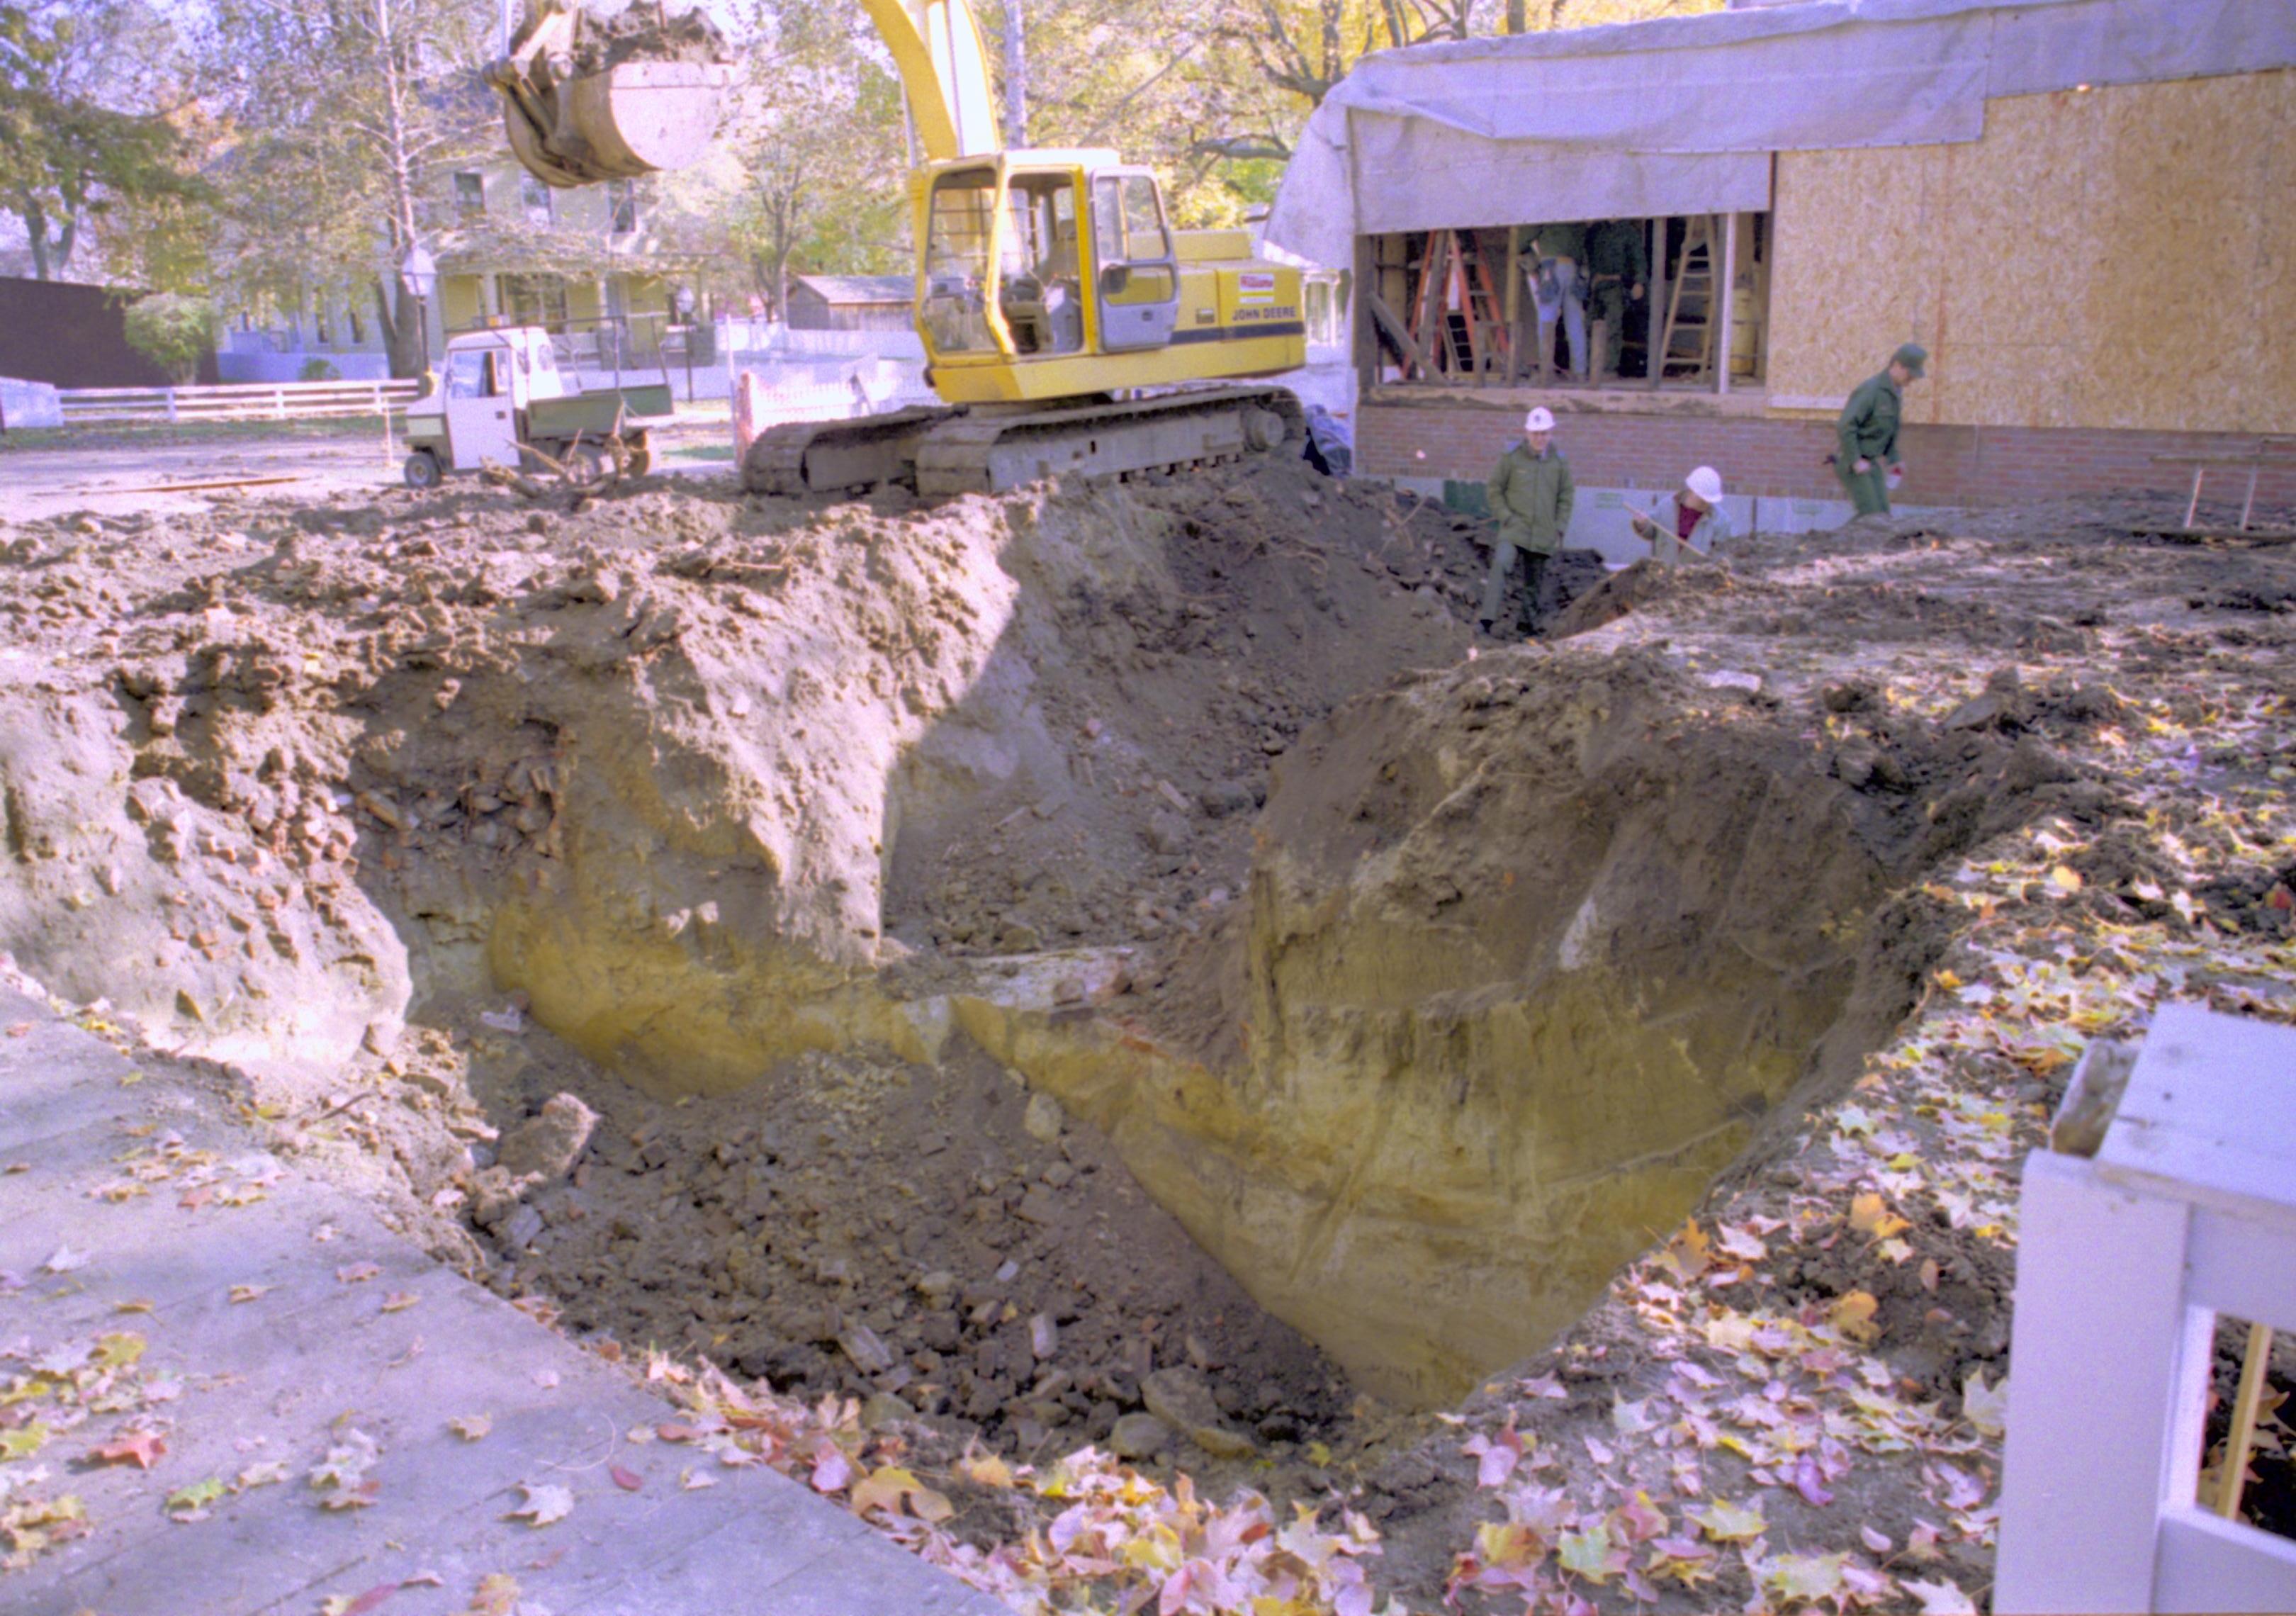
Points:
(1809, 874)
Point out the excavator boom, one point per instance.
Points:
(1052, 289)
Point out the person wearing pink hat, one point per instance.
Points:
(1531, 493)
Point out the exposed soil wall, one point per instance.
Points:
(1516, 956)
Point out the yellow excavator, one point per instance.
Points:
(1067, 325)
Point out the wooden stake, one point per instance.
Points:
(2243, 1434)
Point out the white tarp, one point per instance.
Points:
(1681, 115)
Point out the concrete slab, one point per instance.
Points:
(322, 1348)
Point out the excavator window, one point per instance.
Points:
(956, 262)
(1042, 288)
(1129, 234)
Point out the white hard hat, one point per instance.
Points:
(1705, 482)
(1540, 420)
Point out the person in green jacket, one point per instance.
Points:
(1530, 492)
(1618, 269)
(1867, 435)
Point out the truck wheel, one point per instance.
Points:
(421, 470)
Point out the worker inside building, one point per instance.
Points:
(1575, 302)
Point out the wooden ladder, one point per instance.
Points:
(1695, 280)
(1456, 319)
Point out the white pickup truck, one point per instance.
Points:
(503, 395)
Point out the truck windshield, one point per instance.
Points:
(956, 262)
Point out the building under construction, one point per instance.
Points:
(2080, 207)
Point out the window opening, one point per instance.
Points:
(622, 195)
(534, 198)
(470, 195)
(1041, 288)
(1556, 303)
(1130, 233)
(466, 375)
(956, 262)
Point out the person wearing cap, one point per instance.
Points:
(1697, 523)
(1530, 492)
(1867, 435)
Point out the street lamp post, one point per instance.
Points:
(422, 273)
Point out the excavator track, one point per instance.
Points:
(987, 449)
(827, 456)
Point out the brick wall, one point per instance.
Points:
(1945, 465)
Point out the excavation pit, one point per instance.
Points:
(1016, 948)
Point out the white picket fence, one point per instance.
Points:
(247, 401)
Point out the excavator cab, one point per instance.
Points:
(1050, 274)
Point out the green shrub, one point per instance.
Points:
(174, 332)
(315, 369)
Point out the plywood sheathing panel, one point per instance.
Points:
(2123, 257)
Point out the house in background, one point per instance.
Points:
(852, 302)
(584, 261)
(2080, 207)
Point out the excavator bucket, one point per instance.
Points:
(585, 99)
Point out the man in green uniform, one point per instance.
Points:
(1531, 494)
(1618, 265)
(1867, 435)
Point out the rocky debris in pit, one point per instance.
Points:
(857, 1226)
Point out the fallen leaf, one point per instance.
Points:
(189, 1504)
(140, 1448)
(118, 1350)
(1728, 1523)
(64, 1259)
(1941, 1599)
(249, 1292)
(1688, 1254)
(987, 1470)
(347, 1604)
(1805, 1577)
(1737, 1240)
(2066, 879)
(471, 1427)
(1590, 1554)
(544, 1505)
(1871, 1218)
(398, 1301)
(694, 1480)
(357, 1495)
(268, 1473)
(832, 1472)
(496, 1595)
(358, 1273)
(628, 1481)
(23, 1442)
(1984, 1407)
(1880, 1543)
(1853, 1315)
(134, 1306)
